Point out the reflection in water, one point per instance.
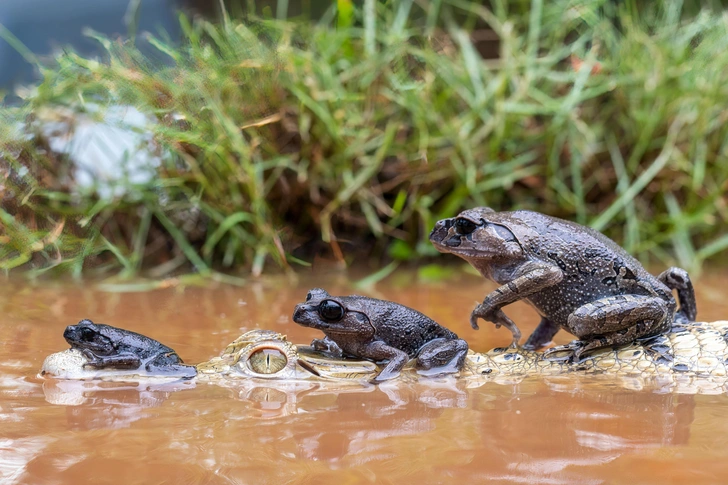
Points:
(558, 430)
(108, 404)
(361, 424)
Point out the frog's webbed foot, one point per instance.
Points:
(328, 346)
(565, 353)
(383, 377)
(496, 316)
(172, 370)
(380, 351)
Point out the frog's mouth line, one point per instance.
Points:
(458, 251)
(335, 329)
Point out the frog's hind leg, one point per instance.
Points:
(119, 362)
(618, 320)
(169, 364)
(441, 356)
(182, 371)
(678, 279)
(543, 334)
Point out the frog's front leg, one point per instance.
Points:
(126, 361)
(380, 351)
(442, 356)
(537, 278)
(327, 345)
(618, 320)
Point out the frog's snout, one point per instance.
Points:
(440, 230)
(439, 235)
(300, 314)
(70, 332)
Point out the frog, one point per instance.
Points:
(575, 277)
(379, 330)
(107, 347)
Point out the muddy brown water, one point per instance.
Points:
(555, 431)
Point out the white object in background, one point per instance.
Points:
(113, 153)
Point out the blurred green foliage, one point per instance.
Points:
(352, 135)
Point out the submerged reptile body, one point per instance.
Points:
(692, 358)
(693, 349)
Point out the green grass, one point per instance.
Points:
(350, 137)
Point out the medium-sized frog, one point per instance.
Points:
(575, 277)
(379, 330)
(108, 347)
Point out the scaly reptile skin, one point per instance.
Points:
(692, 358)
(693, 349)
(235, 361)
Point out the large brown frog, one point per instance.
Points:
(379, 330)
(575, 277)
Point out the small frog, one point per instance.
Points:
(379, 330)
(108, 347)
(575, 277)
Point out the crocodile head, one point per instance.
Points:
(266, 354)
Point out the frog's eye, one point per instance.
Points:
(464, 226)
(267, 361)
(87, 334)
(331, 311)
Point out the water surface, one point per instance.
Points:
(579, 430)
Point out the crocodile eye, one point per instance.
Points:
(464, 226)
(267, 361)
(331, 311)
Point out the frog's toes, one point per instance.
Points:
(565, 353)
(379, 379)
(562, 353)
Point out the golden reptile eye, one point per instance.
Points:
(267, 361)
